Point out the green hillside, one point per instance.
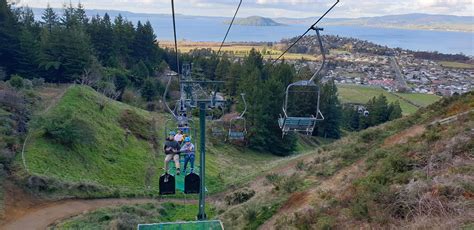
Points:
(409, 102)
(110, 165)
(407, 173)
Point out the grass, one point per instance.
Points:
(128, 216)
(362, 94)
(111, 161)
(420, 99)
(456, 65)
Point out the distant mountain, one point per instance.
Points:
(255, 21)
(403, 21)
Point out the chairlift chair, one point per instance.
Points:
(238, 132)
(288, 123)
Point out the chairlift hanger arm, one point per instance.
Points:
(164, 98)
(312, 27)
(245, 105)
(321, 48)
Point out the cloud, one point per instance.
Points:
(276, 8)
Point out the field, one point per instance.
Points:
(456, 65)
(239, 50)
(409, 102)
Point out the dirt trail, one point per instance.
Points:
(402, 137)
(24, 211)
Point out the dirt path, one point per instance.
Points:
(45, 215)
(24, 211)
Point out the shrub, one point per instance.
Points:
(68, 129)
(371, 135)
(38, 82)
(300, 165)
(16, 82)
(239, 197)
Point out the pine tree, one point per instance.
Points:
(80, 14)
(395, 111)
(331, 109)
(50, 18)
(232, 79)
(9, 41)
(102, 38)
(149, 90)
(222, 69)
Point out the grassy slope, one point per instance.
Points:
(362, 94)
(111, 161)
(123, 166)
(373, 178)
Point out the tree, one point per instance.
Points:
(330, 108)
(50, 18)
(232, 79)
(139, 73)
(395, 111)
(149, 90)
(102, 38)
(9, 41)
(222, 68)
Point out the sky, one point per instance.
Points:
(273, 8)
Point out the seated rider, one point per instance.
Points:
(188, 149)
(171, 149)
(179, 137)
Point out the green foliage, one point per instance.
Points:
(16, 82)
(63, 46)
(68, 129)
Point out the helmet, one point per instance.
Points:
(172, 133)
(187, 139)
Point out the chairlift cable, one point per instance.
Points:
(312, 27)
(175, 40)
(230, 26)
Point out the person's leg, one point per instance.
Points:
(168, 158)
(186, 160)
(176, 161)
(191, 159)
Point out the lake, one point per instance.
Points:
(213, 29)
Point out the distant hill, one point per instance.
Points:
(255, 21)
(403, 21)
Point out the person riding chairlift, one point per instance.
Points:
(179, 137)
(171, 149)
(188, 149)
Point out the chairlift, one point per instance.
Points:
(288, 123)
(217, 128)
(362, 110)
(238, 132)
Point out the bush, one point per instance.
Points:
(16, 82)
(68, 130)
(239, 197)
(38, 82)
